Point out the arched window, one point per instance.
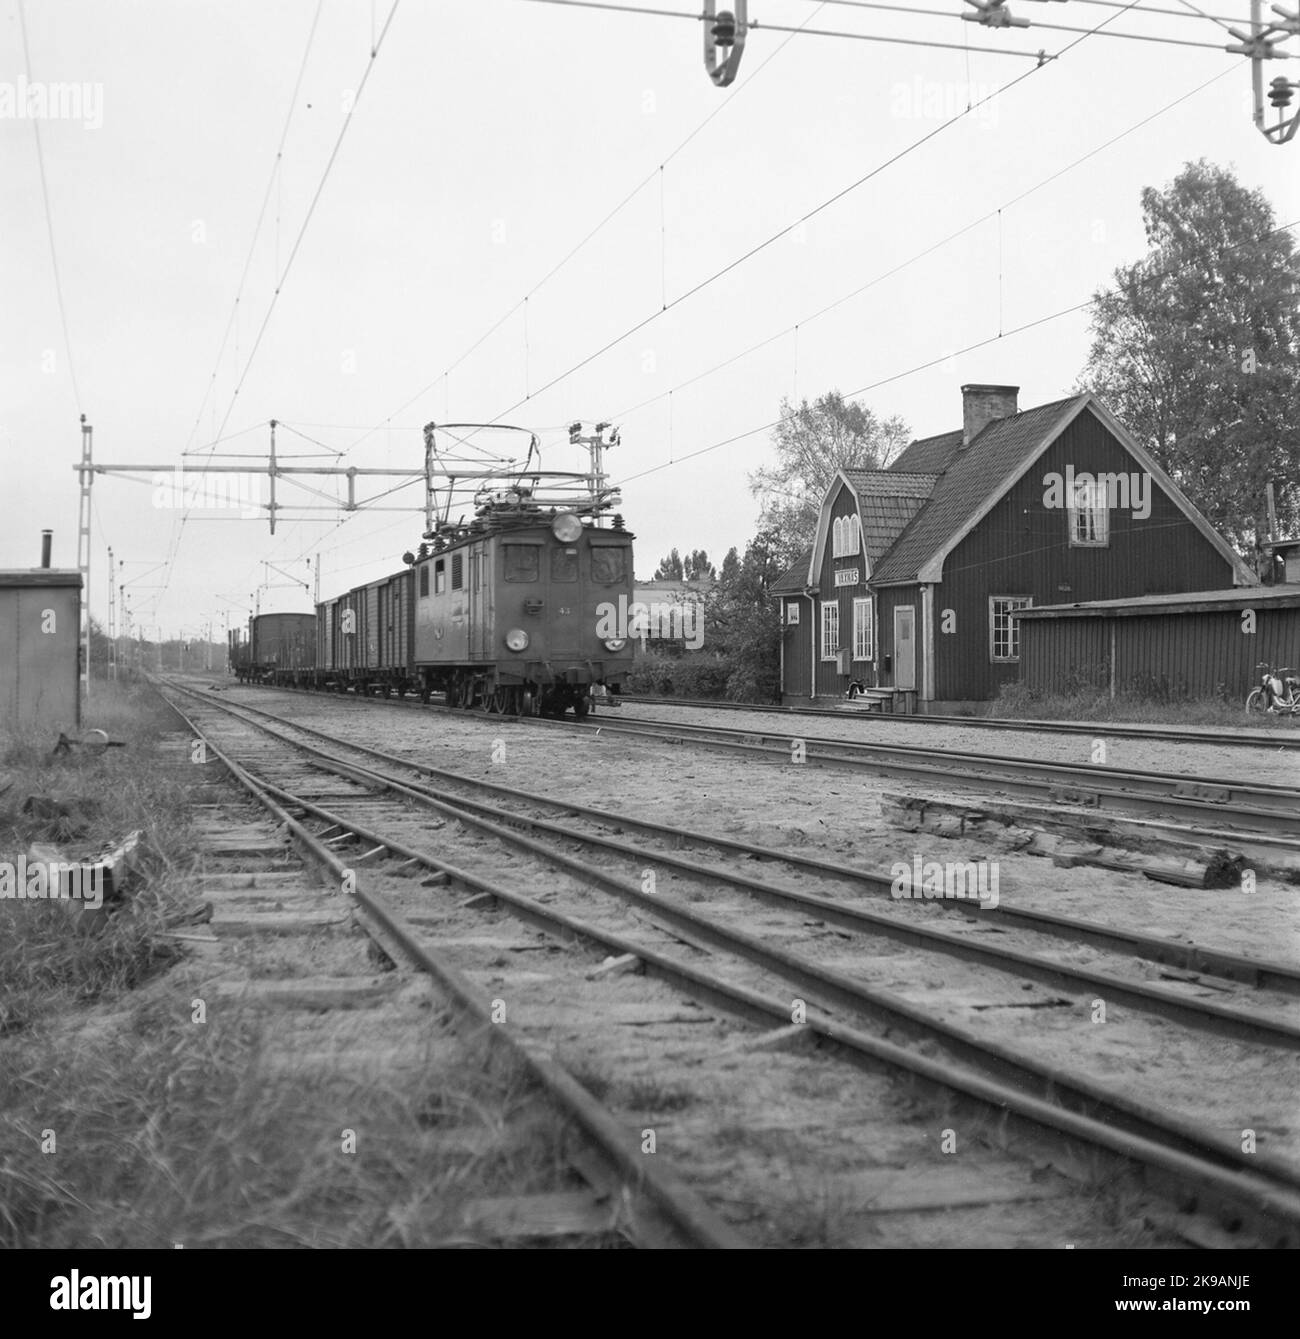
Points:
(837, 538)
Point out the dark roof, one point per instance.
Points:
(795, 579)
(970, 478)
(931, 455)
(1198, 601)
(887, 501)
(40, 576)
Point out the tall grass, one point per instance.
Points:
(125, 1123)
(153, 1131)
(1095, 704)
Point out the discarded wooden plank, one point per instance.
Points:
(616, 966)
(575, 1213)
(1071, 843)
(796, 1037)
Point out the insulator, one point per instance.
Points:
(724, 30)
(1279, 93)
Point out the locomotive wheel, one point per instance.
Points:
(526, 704)
(581, 706)
(502, 700)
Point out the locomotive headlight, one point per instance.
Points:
(567, 527)
(517, 639)
(615, 643)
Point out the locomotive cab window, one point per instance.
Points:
(440, 576)
(424, 581)
(564, 563)
(608, 564)
(522, 562)
(457, 571)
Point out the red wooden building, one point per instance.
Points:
(917, 569)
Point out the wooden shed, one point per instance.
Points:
(1196, 644)
(40, 671)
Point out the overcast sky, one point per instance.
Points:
(491, 138)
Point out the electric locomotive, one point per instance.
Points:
(524, 610)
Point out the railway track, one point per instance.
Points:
(606, 1191)
(1253, 807)
(1175, 1151)
(1210, 809)
(1250, 738)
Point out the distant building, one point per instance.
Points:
(918, 570)
(671, 613)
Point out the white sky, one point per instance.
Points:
(492, 136)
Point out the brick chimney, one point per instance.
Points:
(982, 404)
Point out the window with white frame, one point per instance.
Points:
(1004, 631)
(792, 612)
(830, 629)
(845, 536)
(1089, 514)
(862, 630)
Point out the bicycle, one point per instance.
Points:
(1278, 693)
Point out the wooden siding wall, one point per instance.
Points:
(888, 599)
(1164, 656)
(1022, 548)
(797, 648)
(830, 682)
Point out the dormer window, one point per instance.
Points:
(845, 537)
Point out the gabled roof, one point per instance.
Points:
(979, 476)
(887, 500)
(795, 580)
(973, 480)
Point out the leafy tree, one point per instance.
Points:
(740, 622)
(730, 573)
(1196, 349)
(670, 568)
(698, 567)
(812, 442)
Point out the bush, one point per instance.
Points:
(669, 676)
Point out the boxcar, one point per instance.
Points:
(280, 649)
(366, 640)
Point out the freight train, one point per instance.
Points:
(522, 611)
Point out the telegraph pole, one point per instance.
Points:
(112, 621)
(83, 550)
